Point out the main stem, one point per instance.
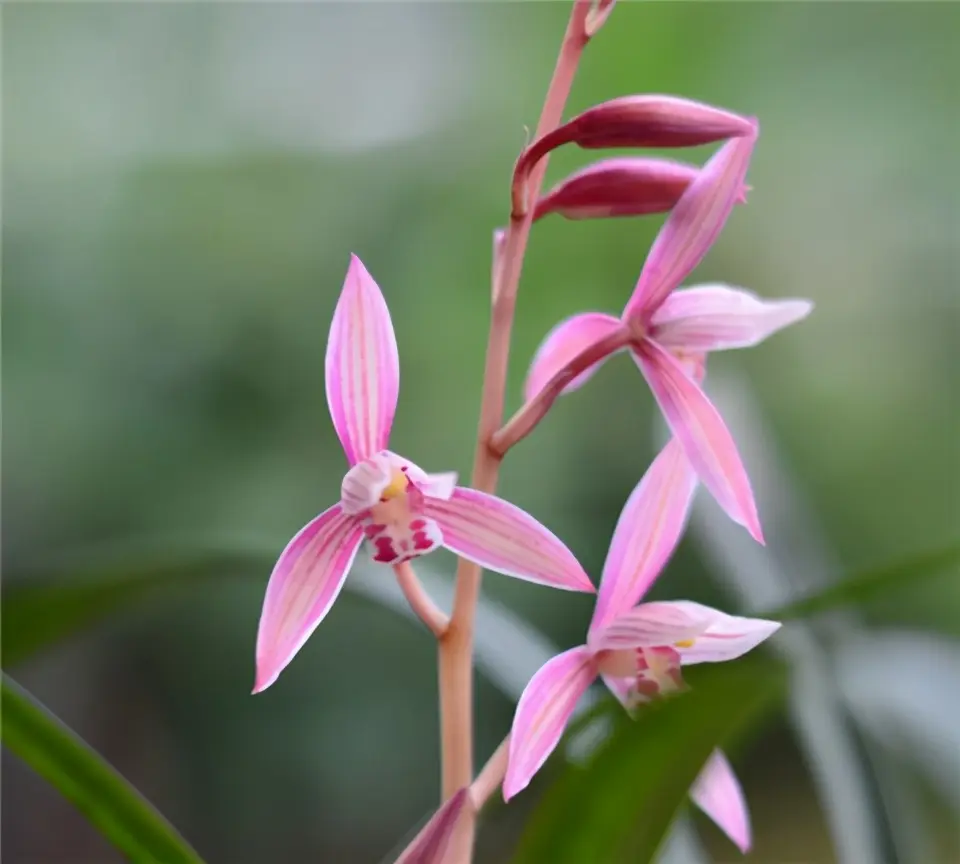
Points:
(456, 644)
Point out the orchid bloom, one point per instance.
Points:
(400, 509)
(638, 651)
(669, 330)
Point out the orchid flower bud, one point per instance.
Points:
(626, 186)
(633, 121)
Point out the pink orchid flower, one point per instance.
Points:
(400, 509)
(667, 329)
(638, 651)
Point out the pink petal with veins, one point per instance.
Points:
(692, 227)
(700, 429)
(433, 842)
(649, 528)
(717, 317)
(562, 344)
(718, 793)
(499, 536)
(305, 581)
(726, 637)
(362, 367)
(650, 625)
(542, 714)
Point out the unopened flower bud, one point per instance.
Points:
(627, 186)
(634, 121)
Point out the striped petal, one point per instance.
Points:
(542, 714)
(562, 344)
(692, 227)
(726, 637)
(305, 581)
(718, 793)
(363, 368)
(433, 844)
(700, 429)
(649, 528)
(501, 537)
(716, 317)
(651, 625)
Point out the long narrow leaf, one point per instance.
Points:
(868, 585)
(111, 804)
(631, 790)
(52, 605)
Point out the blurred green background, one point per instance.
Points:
(182, 186)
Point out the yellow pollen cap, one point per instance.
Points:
(397, 485)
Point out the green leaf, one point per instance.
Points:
(44, 609)
(627, 796)
(872, 583)
(111, 804)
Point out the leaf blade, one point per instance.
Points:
(647, 767)
(868, 584)
(117, 810)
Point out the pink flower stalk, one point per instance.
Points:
(638, 651)
(666, 329)
(400, 509)
(434, 842)
(624, 186)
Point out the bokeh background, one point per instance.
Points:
(182, 186)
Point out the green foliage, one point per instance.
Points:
(872, 583)
(625, 799)
(111, 804)
(44, 609)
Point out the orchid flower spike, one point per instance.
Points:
(400, 509)
(670, 331)
(638, 651)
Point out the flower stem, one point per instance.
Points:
(525, 420)
(419, 600)
(456, 644)
(491, 775)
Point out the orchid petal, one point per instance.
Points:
(716, 317)
(562, 344)
(726, 637)
(692, 227)
(701, 431)
(433, 842)
(439, 485)
(499, 536)
(362, 367)
(718, 793)
(542, 714)
(651, 625)
(305, 581)
(647, 532)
